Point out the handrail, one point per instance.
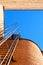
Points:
(4, 32)
(12, 53)
(8, 37)
(7, 28)
(9, 51)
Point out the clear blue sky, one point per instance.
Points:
(31, 22)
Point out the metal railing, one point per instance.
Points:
(7, 58)
(8, 33)
(6, 51)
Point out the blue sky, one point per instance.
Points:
(31, 22)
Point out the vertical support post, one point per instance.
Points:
(1, 19)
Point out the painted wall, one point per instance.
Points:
(31, 22)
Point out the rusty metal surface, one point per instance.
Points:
(4, 49)
(7, 49)
(27, 53)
